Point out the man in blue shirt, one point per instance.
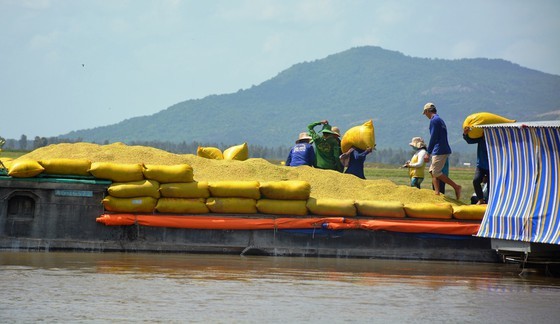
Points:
(356, 158)
(439, 149)
(482, 165)
(302, 153)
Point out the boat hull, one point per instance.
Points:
(45, 215)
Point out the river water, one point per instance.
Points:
(64, 287)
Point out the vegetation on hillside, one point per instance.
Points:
(347, 89)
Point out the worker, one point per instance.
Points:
(327, 147)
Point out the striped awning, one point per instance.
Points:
(524, 193)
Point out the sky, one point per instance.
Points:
(77, 64)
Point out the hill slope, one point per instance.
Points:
(349, 88)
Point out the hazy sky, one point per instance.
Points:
(74, 64)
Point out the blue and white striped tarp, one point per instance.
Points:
(524, 193)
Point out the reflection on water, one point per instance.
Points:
(109, 287)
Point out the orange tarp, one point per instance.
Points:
(411, 226)
(334, 223)
(213, 222)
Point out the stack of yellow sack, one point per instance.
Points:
(183, 197)
(135, 196)
(284, 197)
(233, 197)
(172, 189)
(129, 192)
(179, 192)
(136, 187)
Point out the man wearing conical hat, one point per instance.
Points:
(416, 164)
(327, 147)
(302, 153)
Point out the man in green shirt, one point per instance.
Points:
(327, 147)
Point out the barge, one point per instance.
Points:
(520, 224)
(65, 213)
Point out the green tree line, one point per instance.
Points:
(388, 156)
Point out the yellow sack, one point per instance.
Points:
(380, 208)
(142, 188)
(117, 172)
(483, 118)
(282, 207)
(185, 190)
(130, 205)
(291, 190)
(331, 207)
(238, 152)
(232, 205)
(429, 210)
(78, 167)
(473, 212)
(210, 153)
(182, 206)
(169, 173)
(361, 137)
(7, 162)
(25, 169)
(239, 189)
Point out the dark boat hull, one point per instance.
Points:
(46, 215)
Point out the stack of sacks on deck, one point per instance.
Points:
(129, 191)
(135, 187)
(326, 186)
(284, 197)
(179, 192)
(183, 197)
(172, 189)
(233, 197)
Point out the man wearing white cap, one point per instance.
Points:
(438, 149)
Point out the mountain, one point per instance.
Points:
(348, 89)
